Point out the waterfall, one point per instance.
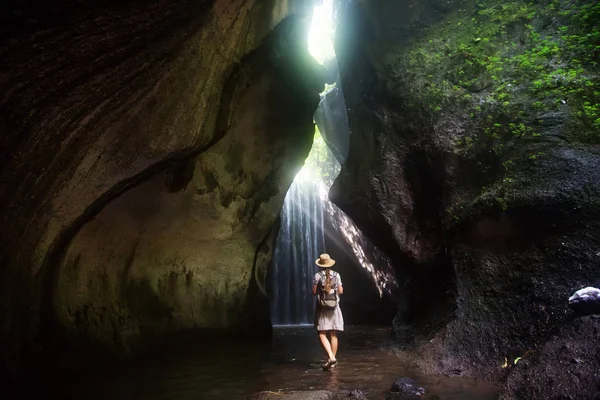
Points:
(301, 237)
(300, 241)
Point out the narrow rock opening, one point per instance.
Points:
(310, 224)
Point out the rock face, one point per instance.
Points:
(178, 251)
(332, 120)
(310, 395)
(368, 277)
(478, 180)
(566, 367)
(143, 165)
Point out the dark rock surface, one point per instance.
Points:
(488, 241)
(567, 366)
(369, 279)
(362, 302)
(332, 120)
(305, 395)
(407, 386)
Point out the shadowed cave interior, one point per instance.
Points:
(171, 170)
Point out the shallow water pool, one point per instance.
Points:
(291, 362)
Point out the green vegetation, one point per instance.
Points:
(320, 163)
(507, 67)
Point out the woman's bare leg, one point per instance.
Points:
(334, 343)
(326, 345)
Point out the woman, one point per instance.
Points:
(327, 284)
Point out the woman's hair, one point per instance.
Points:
(327, 281)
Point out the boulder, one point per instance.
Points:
(405, 388)
(585, 301)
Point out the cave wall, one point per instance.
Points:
(332, 121)
(178, 251)
(101, 98)
(566, 366)
(369, 282)
(481, 187)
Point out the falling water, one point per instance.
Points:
(301, 239)
(302, 232)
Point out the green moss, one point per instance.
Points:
(506, 65)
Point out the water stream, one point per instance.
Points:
(310, 223)
(300, 240)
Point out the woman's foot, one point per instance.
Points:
(330, 364)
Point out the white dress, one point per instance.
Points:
(326, 319)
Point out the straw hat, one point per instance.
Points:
(324, 261)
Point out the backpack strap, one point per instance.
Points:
(333, 276)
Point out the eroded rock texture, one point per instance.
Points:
(332, 121)
(177, 252)
(491, 226)
(146, 149)
(566, 367)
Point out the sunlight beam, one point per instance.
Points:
(320, 35)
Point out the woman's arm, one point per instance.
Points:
(316, 281)
(340, 289)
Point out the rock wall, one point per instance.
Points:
(473, 169)
(362, 302)
(566, 366)
(178, 251)
(332, 121)
(113, 101)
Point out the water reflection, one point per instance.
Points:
(291, 362)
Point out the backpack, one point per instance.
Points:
(328, 301)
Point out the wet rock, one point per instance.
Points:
(332, 120)
(585, 301)
(300, 395)
(567, 366)
(311, 395)
(355, 394)
(405, 388)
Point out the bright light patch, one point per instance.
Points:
(312, 177)
(307, 174)
(320, 36)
